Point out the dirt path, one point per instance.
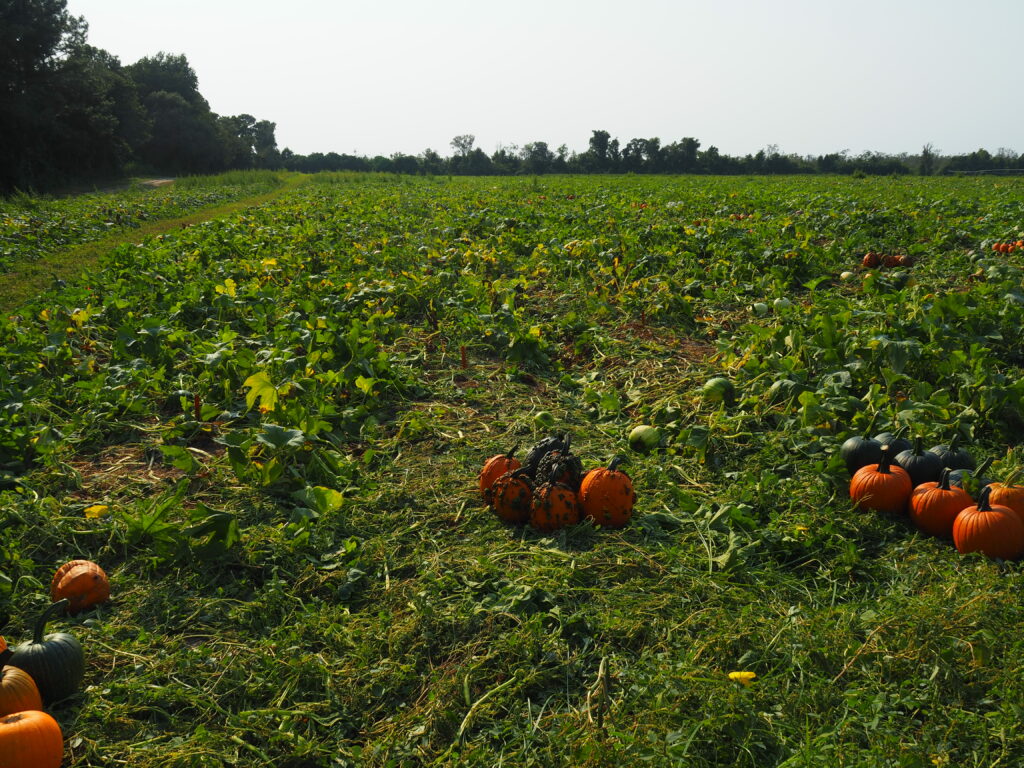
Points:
(29, 279)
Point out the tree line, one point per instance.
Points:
(72, 112)
(607, 155)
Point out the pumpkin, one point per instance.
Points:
(890, 260)
(952, 455)
(495, 467)
(871, 260)
(971, 480)
(922, 466)
(18, 692)
(1009, 494)
(512, 495)
(554, 504)
(905, 260)
(858, 451)
(571, 466)
(532, 461)
(993, 530)
(5, 652)
(56, 662)
(607, 496)
(83, 583)
(881, 486)
(896, 442)
(934, 506)
(30, 740)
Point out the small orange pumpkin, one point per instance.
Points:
(935, 505)
(495, 467)
(512, 495)
(992, 530)
(555, 504)
(890, 260)
(871, 260)
(18, 691)
(30, 740)
(1009, 494)
(607, 496)
(83, 583)
(881, 486)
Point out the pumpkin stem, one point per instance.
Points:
(983, 504)
(511, 454)
(615, 463)
(982, 468)
(883, 463)
(956, 439)
(44, 618)
(919, 446)
(944, 480)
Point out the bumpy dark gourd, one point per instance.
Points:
(56, 662)
(922, 466)
(572, 466)
(532, 461)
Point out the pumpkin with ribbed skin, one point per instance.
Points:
(895, 440)
(994, 531)
(934, 506)
(607, 496)
(18, 692)
(512, 496)
(56, 662)
(4, 651)
(952, 455)
(859, 451)
(495, 467)
(555, 504)
(1008, 494)
(83, 583)
(30, 740)
(882, 486)
(922, 466)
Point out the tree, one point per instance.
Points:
(927, 166)
(463, 144)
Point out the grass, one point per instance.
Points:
(405, 625)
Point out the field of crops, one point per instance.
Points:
(267, 429)
(31, 227)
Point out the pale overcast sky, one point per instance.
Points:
(384, 76)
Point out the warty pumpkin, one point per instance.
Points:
(512, 496)
(993, 530)
(607, 496)
(83, 583)
(934, 506)
(555, 504)
(30, 740)
(882, 486)
(495, 467)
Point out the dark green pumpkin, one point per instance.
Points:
(922, 466)
(953, 456)
(896, 442)
(860, 451)
(56, 662)
(532, 461)
(971, 480)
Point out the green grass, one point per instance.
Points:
(374, 613)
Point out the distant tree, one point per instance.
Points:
(169, 73)
(431, 163)
(184, 139)
(463, 144)
(927, 165)
(537, 158)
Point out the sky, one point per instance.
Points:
(385, 76)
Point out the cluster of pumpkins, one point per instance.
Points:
(549, 489)
(45, 670)
(873, 260)
(891, 474)
(1008, 247)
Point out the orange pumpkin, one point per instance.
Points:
(890, 260)
(512, 495)
(607, 496)
(30, 740)
(554, 504)
(83, 583)
(495, 467)
(871, 260)
(992, 530)
(881, 486)
(934, 506)
(18, 691)
(1009, 494)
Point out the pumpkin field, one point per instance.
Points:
(268, 429)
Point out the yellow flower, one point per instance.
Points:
(802, 529)
(96, 510)
(744, 678)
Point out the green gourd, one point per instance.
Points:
(56, 662)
